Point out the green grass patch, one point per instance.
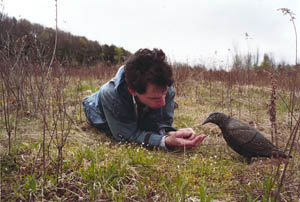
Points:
(96, 168)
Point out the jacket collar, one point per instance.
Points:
(119, 78)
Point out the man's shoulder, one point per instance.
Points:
(108, 88)
(117, 100)
(113, 86)
(114, 93)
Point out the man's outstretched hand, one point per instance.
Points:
(185, 137)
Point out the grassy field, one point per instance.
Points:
(53, 155)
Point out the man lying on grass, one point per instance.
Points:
(137, 105)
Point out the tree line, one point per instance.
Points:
(36, 43)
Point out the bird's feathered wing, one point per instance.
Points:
(246, 140)
(239, 132)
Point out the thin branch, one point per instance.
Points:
(55, 43)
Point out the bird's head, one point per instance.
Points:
(216, 118)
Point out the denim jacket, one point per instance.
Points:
(112, 104)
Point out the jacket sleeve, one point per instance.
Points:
(122, 122)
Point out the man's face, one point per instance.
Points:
(154, 97)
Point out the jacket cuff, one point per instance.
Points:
(162, 142)
(164, 132)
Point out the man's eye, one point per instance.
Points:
(153, 98)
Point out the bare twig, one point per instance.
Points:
(293, 137)
(287, 11)
(55, 42)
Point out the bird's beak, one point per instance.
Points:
(205, 121)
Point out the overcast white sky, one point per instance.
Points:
(193, 31)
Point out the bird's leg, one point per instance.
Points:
(248, 160)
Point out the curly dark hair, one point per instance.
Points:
(146, 66)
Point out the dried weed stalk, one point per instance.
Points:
(272, 110)
(287, 11)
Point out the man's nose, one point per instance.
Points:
(162, 101)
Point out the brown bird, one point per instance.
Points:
(244, 139)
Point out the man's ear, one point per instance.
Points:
(132, 92)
